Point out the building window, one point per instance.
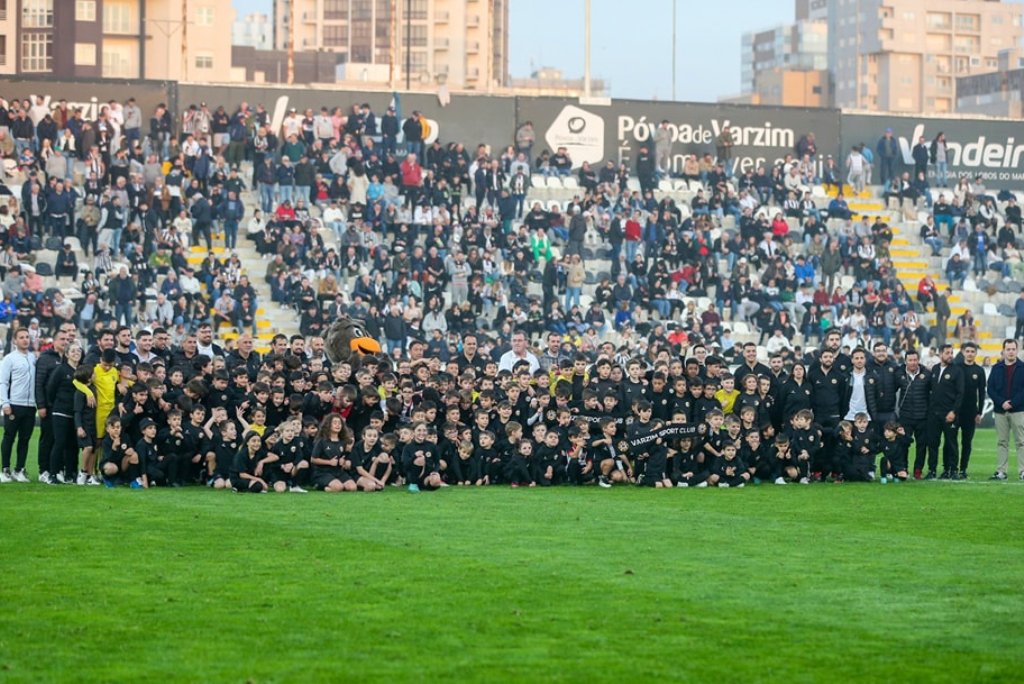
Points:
(85, 54)
(335, 9)
(37, 14)
(204, 16)
(119, 17)
(204, 61)
(118, 61)
(85, 10)
(335, 36)
(37, 52)
(3, 50)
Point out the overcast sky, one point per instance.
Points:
(631, 42)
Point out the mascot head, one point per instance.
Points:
(346, 340)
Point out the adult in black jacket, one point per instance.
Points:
(829, 393)
(887, 384)
(750, 365)
(912, 405)
(870, 383)
(796, 394)
(60, 398)
(45, 365)
(969, 416)
(244, 355)
(947, 380)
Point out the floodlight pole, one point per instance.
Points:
(586, 48)
(674, 50)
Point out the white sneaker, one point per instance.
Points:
(682, 484)
(93, 481)
(741, 484)
(60, 478)
(780, 480)
(5, 476)
(81, 479)
(44, 477)
(703, 484)
(20, 476)
(804, 480)
(296, 489)
(723, 485)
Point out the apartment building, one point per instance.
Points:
(905, 55)
(117, 39)
(459, 43)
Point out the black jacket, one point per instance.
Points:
(947, 392)
(975, 385)
(912, 404)
(45, 365)
(60, 392)
(870, 392)
(887, 384)
(829, 391)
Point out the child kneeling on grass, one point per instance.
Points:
(895, 447)
(117, 454)
(249, 466)
(728, 469)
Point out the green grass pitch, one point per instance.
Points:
(833, 583)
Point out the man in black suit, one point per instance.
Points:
(947, 382)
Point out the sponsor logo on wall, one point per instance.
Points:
(580, 132)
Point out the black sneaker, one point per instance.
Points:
(962, 475)
(945, 475)
(930, 475)
(998, 476)
(954, 475)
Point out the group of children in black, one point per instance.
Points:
(285, 424)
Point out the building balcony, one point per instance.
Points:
(441, 17)
(473, 20)
(473, 47)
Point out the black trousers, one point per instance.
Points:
(918, 430)
(19, 424)
(64, 452)
(45, 443)
(967, 428)
(940, 430)
(825, 461)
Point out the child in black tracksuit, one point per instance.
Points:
(549, 465)
(579, 464)
(895, 446)
(728, 469)
(465, 467)
(493, 458)
(860, 466)
(690, 468)
(519, 469)
(656, 470)
(757, 457)
(788, 467)
(804, 442)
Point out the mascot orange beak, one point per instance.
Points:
(364, 345)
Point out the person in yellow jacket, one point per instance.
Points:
(105, 381)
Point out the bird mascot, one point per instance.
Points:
(346, 340)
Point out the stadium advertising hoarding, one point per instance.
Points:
(990, 148)
(469, 119)
(89, 96)
(617, 131)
